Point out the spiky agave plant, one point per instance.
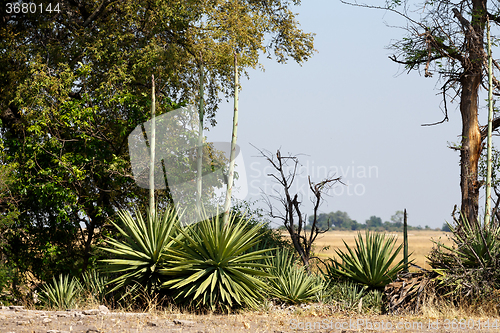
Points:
(370, 262)
(476, 245)
(94, 287)
(210, 266)
(140, 255)
(469, 267)
(62, 294)
(291, 283)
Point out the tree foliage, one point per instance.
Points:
(341, 221)
(75, 83)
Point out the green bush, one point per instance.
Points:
(353, 296)
(373, 301)
(94, 287)
(471, 267)
(210, 265)
(369, 263)
(62, 294)
(6, 276)
(141, 253)
(348, 294)
(291, 283)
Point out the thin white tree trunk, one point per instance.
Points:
(490, 126)
(200, 148)
(152, 159)
(227, 203)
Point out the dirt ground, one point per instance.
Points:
(285, 320)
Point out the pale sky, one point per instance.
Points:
(351, 108)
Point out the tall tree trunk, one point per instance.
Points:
(487, 209)
(471, 147)
(471, 135)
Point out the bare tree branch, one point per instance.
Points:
(292, 217)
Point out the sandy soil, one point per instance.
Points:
(286, 320)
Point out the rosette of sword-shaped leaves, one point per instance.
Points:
(291, 283)
(61, 294)
(370, 262)
(210, 264)
(141, 253)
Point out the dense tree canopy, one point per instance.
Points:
(74, 83)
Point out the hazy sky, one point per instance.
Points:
(351, 108)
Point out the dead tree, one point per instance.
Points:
(292, 217)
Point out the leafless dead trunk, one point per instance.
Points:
(292, 217)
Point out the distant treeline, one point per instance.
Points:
(341, 221)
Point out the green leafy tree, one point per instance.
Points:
(75, 83)
(8, 214)
(397, 219)
(336, 220)
(374, 223)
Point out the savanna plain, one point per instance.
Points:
(420, 243)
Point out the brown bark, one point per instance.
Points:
(471, 135)
(471, 147)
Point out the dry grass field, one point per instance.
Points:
(419, 242)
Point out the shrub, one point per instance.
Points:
(94, 287)
(141, 253)
(6, 275)
(210, 266)
(61, 294)
(353, 296)
(291, 283)
(348, 294)
(369, 263)
(470, 268)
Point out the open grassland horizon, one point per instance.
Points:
(419, 243)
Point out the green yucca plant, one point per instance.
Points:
(62, 294)
(210, 266)
(291, 283)
(349, 294)
(477, 244)
(470, 267)
(142, 252)
(94, 286)
(370, 262)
